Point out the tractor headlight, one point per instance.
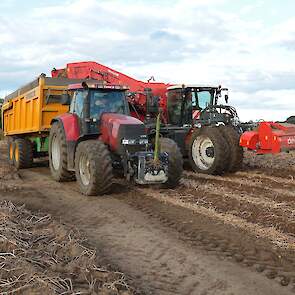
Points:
(141, 141)
(129, 141)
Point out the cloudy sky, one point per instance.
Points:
(247, 46)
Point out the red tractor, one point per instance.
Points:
(98, 136)
(206, 132)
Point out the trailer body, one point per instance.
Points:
(30, 109)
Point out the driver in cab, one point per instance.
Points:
(99, 105)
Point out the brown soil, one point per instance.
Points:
(212, 235)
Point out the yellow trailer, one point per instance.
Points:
(27, 114)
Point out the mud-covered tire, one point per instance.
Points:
(93, 168)
(236, 152)
(10, 150)
(175, 166)
(22, 153)
(208, 151)
(57, 151)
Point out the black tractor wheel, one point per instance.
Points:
(93, 166)
(22, 153)
(208, 151)
(57, 150)
(175, 166)
(10, 150)
(236, 152)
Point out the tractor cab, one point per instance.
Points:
(194, 104)
(185, 100)
(91, 100)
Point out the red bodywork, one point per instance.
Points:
(94, 70)
(270, 138)
(109, 128)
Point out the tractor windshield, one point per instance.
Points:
(107, 101)
(201, 98)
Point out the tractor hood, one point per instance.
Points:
(115, 128)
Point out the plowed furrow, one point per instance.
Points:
(264, 212)
(263, 188)
(187, 200)
(270, 260)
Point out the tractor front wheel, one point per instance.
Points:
(175, 166)
(93, 167)
(208, 151)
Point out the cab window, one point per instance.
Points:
(179, 110)
(107, 101)
(78, 102)
(204, 99)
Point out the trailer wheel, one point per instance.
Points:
(175, 166)
(22, 153)
(208, 151)
(57, 150)
(10, 150)
(236, 151)
(93, 167)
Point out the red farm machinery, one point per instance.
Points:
(206, 132)
(88, 133)
(270, 138)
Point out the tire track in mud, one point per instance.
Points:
(149, 247)
(241, 204)
(263, 257)
(258, 185)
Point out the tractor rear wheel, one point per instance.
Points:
(22, 153)
(175, 166)
(236, 151)
(208, 151)
(58, 161)
(93, 166)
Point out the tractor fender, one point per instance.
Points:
(70, 125)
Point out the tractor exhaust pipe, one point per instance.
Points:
(157, 139)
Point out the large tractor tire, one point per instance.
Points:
(22, 153)
(236, 152)
(175, 166)
(58, 161)
(208, 151)
(10, 150)
(93, 166)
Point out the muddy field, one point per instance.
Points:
(233, 234)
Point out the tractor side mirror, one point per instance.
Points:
(226, 98)
(65, 99)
